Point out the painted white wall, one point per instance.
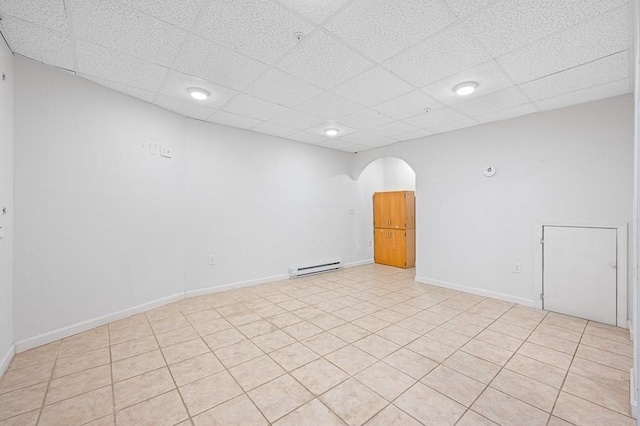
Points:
(6, 201)
(398, 175)
(570, 165)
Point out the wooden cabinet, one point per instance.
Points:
(394, 228)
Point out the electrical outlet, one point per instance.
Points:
(211, 260)
(165, 151)
(516, 268)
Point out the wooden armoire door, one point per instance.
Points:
(381, 246)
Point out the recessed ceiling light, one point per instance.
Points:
(198, 93)
(332, 131)
(464, 89)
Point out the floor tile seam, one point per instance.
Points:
(46, 393)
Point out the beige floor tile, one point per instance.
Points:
(531, 391)
(565, 321)
(25, 377)
(385, 380)
(313, 413)
(462, 327)
(545, 373)
(293, 356)
(405, 309)
(553, 342)
(279, 397)
(410, 363)
(273, 341)
(212, 326)
(108, 420)
(128, 322)
(398, 335)
(351, 359)
(302, 330)
(600, 373)
(292, 305)
(22, 401)
(324, 343)
(609, 359)
(309, 312)
(203, 316)
(506, 328)
(209, 392)
(416, 325)
(39, 355)
(500, 340)
(377, 346)
(353, 402)
(547, 355)
(559, 332)
(474, 367)
(243, 319)
(580, 412)
(284, 320)
(122, 335)
(166, 409)
(555, 421)
(392, 416)
(349, 314)
(145, 386)
(448, 337)
(506, 410)
(608, 332)
(389, 316)
(224, 338)
(238, 411)
(183, 351)
(78, 383)
(84, 342)
(169, 324)
(257, 328)
(319, 376)
(619, 348)
(429, 406)
(487, 351)
(256, 372)
(238, 353)
(327, 321)
(457, 386)
(349, 332)
(196, 368)
(26, 419)
(81, 362)
(133, 348)
(431, 349)
(79, 410)
(598, 393)
(371, 323)
(137, 365)
(173, 337)
(471, 418)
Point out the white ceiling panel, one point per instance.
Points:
(365, 119)
(510, 24)
(614, 67)
(489, 76)
(233, 120)
(181, 13)
(496, 101)
(408, 105)
(339, 145)
(315, 10)
(372, 87)
(126, 30)
(323, 60)
(38, 43)
(253, 107)
(507, 113)
(583, 43)
(464, 7)
(421, 133)
(105, 63)
(274, 129)
(382, 28)
(368, 139)
(614, 88)
(145, 95)
(190, 109)
(329, 106)
(456, 125)
(394, 129)
(306, 137)
(261, 29)
(217, 64)
(282, 88)
(449, 52)
(297, 120)
(344, 130)
(435, 117)
(176, 85)
(46, 13)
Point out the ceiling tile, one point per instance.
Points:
(328, 106)
(368, 139)
(118, 27)
(614, 88)
(464, 7)
(507, 113)
(344, 130)
(450, 52)
(306, 137)
(274, 129)
(186, 108)
(253, 107)
(365, 119)
(421, 133)
(511, 24)
(38, 43)
(339, 145)
(393, 129)
(408, 105)
(382, 28)
(614, 67)
(496, 101)
(177, 83)
(181, 13)
(261, 29)
(145, 95)
(297, 120)
(488, 76)
(282, 88)
(435, 117)
(105, 63)
(217, 64)
(372, 87)
(323, 60)
(316, 10)
(583, 43)
(233, 120)
(456, 125)
(46, 13)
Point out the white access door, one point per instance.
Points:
(579, 272)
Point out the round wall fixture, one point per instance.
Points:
(489, 171)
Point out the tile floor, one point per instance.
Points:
(365, 345)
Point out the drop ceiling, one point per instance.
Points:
(381, 71)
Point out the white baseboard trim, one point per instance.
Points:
(478, 291)
(231, 286)
(6, 359)
(358, 263)
(63, 332)
(630, 327)
(633, 401)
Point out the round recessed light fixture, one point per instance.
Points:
(464, 89)
(331, 131)
(198, 93)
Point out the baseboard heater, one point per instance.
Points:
(303, 271)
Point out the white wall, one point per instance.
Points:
(398, 175)
(570, 165)
(6, 201)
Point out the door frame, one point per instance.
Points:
(622, 270)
